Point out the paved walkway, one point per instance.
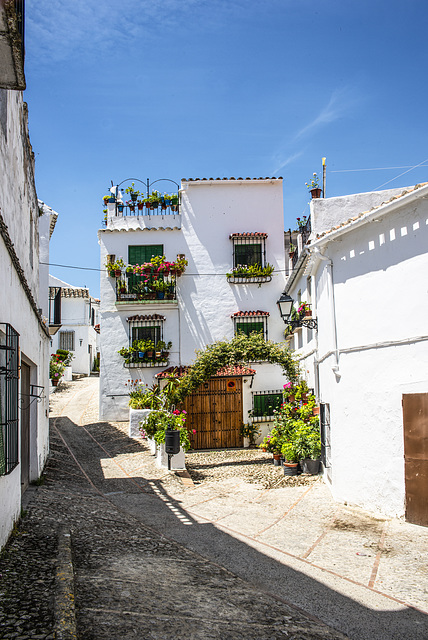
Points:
(149, 556)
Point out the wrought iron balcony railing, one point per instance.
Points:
(141, 288)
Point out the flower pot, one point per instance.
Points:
(140, 206)
(118, 273)
(291, 398)
(316, 193)
(277, 459)
(120, 208)
(134, 196)
(141, 354)
(316, 411)
(132, 207)
(55, 381)
(149, 354)
(160, 295)
(310, 466)
(290, 468)
(147, 205)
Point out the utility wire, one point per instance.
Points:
(377, 168)
(69, 266)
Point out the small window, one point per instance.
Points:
(9, 388)
(265, 404)
(248, 322)
(66, 340)
(249, 249)
(146, 328)
(148, 332)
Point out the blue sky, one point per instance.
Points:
(219, 88)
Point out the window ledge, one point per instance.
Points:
(248, 279)
(145, 365)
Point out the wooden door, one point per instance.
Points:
(214, 411)
(25, 425)
(415, 422)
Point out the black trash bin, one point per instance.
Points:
(172, 441)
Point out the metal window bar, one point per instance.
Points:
(249, 250)
(306, 231)
(265, 403)
(248, 324)
(66, 340)
(150, 329)
(9, 382)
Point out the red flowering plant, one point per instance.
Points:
(56, 366)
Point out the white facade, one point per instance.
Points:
(20, 304)
(366, 272)
(79, 317)
(211, 211)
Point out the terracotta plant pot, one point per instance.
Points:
(316, 193)
(316, 411)
(290, 468)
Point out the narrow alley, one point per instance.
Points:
(148, 554)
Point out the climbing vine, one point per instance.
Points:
(241, 350)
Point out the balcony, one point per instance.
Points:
(146, 289)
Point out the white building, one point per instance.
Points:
(77, 327)
(364, 273)
(220, 224)
(24, 337)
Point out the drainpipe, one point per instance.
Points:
(335, 368)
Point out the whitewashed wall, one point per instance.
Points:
(377, 308)
(19, 209)
(75, 317)
(210, 212)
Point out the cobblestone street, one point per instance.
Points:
(152, 555)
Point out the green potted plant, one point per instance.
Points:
(314, 186)
(251, 431)
(134, 193)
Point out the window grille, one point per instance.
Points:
(66, 340)
(265, 403)
(249, 249)
(9, 380)
(249, 321)
(146, 328)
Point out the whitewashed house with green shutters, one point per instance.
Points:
(219, 226)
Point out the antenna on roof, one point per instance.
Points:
(323, 177)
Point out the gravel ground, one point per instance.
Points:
(252, 465)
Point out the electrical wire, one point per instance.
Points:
(69, 266)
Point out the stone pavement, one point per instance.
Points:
(113, 548)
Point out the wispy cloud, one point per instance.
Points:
(283, 162)
(341, 101)
(58, 30)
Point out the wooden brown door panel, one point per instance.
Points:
(415, 423)
(214, 411)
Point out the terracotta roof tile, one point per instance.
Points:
(231, 178)
(249, 234)
(363, 213)
(155, 316)
(247, 314)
